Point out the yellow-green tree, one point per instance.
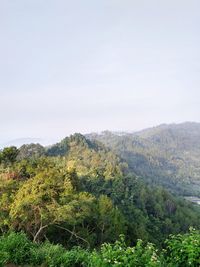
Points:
(48, 199)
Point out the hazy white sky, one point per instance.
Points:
(82, 66)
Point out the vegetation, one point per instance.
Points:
(66, 205)
(181, 250)
(167, 155)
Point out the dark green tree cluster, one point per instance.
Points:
(150, 213)
(8, 155)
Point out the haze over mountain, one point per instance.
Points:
(21, 141)
(85, 66)
(167, 154)
(70, 194)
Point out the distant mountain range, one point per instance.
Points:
(168, 155)
(96, 191)
(21, 141)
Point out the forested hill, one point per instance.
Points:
(87, 157)
(168, 155)
(78, 192)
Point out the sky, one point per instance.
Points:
(88, 66)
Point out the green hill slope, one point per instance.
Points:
(77, 192)
(88, 157)
(168, 155)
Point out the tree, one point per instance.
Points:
(48, 199)
(111, 222)
(8, 188)
(9, 155)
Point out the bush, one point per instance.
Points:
(4, 257)
(56, 256)
(77, 257)
(181, 250)
(15, 248)
(47, 254)
(121, 255)
(184, 250)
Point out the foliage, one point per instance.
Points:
(48, 199)
(15, 248)
(167, 155)
(119, 254)
(88, 158)
(150, 214)
(181, 250)
(30, 151)
(9, 155)
(184, 250)
(83, 197)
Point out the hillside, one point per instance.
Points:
(78, 192)
(168, 155)
(88, 157)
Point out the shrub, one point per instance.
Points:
(56, 256)
(119, 254)
(77, 257)
(48, 254)
(15, 248)
(181, 250)
(4, 257)
(184, 250)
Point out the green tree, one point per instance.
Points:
(110, 222)
(9, 155)
(48, 199)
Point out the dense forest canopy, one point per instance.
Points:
(80, 193)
